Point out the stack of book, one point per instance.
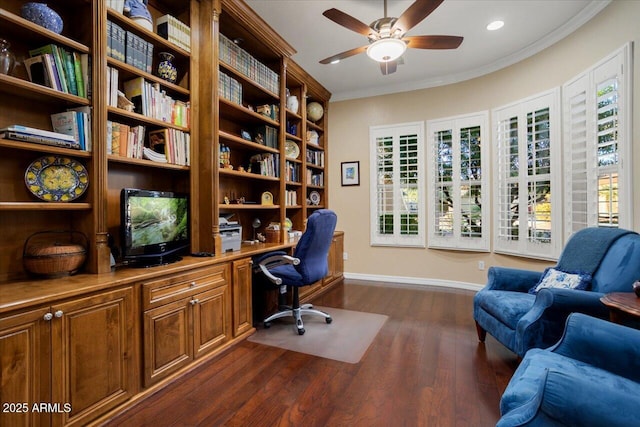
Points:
(175, 31)
(128, 47)
(38, 136)
(150, 100)
(266, 164)
(75, 122)
(266, 135)
(56, 67)
(230, 89)
(240, 60)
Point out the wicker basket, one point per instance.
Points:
(54, 253)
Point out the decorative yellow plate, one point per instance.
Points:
(291, 149)
(56, 179)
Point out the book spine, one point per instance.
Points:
(70, 71)
(77, 68)
(17, 136)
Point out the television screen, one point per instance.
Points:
(155, 223)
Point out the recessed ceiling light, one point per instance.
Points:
(495, 25)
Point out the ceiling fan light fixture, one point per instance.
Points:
(385, 50)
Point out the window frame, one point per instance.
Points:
(520, 110)
(396, 238)
(580, 137)
(456, 240)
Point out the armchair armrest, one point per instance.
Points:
(541, 326)
(274, 259)
(511, 279)
(614, 348)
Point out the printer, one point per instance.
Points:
(230, 233)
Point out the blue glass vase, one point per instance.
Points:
(43, 15)
(166, 69)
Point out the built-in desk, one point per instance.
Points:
(144, 326)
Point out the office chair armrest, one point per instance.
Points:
(273, 260)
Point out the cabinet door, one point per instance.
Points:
(336, 262)
(25, 369)
(168, 344)
(94, 359)
(211, 319)
(242, 299)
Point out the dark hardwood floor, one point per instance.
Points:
(425, 368)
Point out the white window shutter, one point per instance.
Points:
(397, 185)
(458, 183)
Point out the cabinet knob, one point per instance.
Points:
(194, 301)
(47, 316)
(192, 284)
(58, 314)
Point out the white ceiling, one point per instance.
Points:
(530, 26)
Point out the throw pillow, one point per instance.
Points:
(553, 278)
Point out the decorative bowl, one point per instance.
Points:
(43, 15)
(636, 287)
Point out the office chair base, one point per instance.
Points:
(297, 314)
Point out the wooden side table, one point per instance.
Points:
(623, 306)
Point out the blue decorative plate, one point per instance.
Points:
(56, 179)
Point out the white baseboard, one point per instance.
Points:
(414, 282)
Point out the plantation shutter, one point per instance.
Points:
(397, 183)
(596, 121)
(528, 205)
(458, 183)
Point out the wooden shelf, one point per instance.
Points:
(47, 206)
(247, 175)
(42, 148)
(247, 206)
(147, 163)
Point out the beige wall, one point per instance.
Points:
(349, 123)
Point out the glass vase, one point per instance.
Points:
(166, 69)
(7, 59)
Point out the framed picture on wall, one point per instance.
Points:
(350, 173)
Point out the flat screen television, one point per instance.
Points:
(155, 226)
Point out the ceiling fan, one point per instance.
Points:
(387, 40)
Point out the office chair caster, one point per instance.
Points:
(301, 331)
(267, 325)
(328, 319)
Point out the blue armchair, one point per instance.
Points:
(608, 261)
(591, 377)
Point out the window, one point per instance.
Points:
(596, 142)
(397, 212)
(528, 204)
(458, 168)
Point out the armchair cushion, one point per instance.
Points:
(587, 379)
(553, 278)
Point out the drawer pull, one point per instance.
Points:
(58, 314)
(47, 316)
(192, 284)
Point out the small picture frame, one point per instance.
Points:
(350, 173)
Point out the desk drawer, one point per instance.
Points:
(174, 287)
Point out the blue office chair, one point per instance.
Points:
(308, 264)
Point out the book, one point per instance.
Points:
(158, 140)
(37, 139)
(53, 50)
(37, 132)
(66, 122)
(77, 68)
(87, 121)
(36, 70)
(134, 90)
(69, 69)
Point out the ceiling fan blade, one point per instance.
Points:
(389, 67)
(433, 42)
(348, 21)
(343, 55)
(411, 17)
